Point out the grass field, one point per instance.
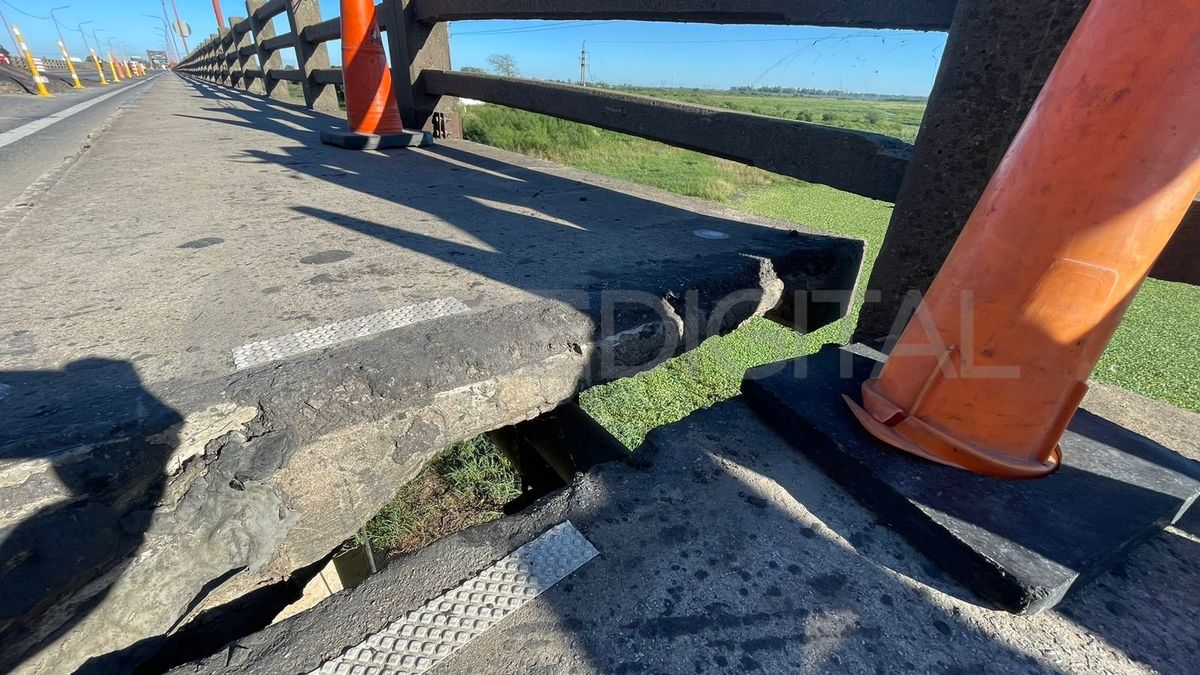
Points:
(1155, 352)
(901, 119)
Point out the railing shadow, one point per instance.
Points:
(531, 230)
(725, 551)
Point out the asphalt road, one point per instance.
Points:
(23, 160)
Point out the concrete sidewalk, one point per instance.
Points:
(224, 345)
(725, 550)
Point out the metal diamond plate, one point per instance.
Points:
(426, 636)
(266, 351)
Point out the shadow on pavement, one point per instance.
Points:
(88, 445)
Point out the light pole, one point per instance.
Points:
(166, 33)
(119, 59)
(8, 27)
(112, 62)
(171, 33)
(178, 24)
(220, 16)
(95, 57)
(62, 46)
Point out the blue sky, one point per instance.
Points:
(621, 52)
(701, 55)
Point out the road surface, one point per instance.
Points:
(38, 134)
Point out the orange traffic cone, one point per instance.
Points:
(994, 364)
(371, 107)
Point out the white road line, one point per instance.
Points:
(14, 135)
(426, 636)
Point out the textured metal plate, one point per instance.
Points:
(266, 351)
(426, 636)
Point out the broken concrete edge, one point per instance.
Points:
(1019, 545)
(350, 616)
(301, 643)
(355, 141)
(258, 450)
(785, 517)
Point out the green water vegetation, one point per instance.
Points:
(1155, 352)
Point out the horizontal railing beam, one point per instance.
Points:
(330, 29)
(270, 10)
(278, 42)
(867, 164)
(328, 76)
(286, 74)
(912, 14)
(1178, 261)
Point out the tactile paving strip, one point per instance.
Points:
(426, 636)
(258, 353)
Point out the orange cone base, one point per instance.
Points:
(914, 436)
(351, 140)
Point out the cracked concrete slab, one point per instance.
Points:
(144, 478)
(725, 550)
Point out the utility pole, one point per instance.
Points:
(171, 34)
(62, 45)
(583, 65)
(95, 57)
(220, 17)
(179, 26)
(8, 27)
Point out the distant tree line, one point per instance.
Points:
(825, 93)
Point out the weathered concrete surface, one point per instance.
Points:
(726, 551)
(1021, 545)
(143, 479)
(23, 162)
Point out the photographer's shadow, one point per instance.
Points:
(83, 453)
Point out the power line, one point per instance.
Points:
(18, 10)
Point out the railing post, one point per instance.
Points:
(246, 62)
(237, 69)
(211, 47)
(992, 69)
(309, 57)
(413, 47)
(224, 73)
(265, 30)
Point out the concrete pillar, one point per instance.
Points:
(224, 72)
(414, 46)
(265, 30)
(247, 62)
(309, 57)
(997, 58)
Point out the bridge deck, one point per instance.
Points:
(726, 551)
(225, 345)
